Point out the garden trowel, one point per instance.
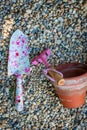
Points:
(18, 63)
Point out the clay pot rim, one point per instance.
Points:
(75, 77)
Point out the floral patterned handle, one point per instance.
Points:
(19, 94)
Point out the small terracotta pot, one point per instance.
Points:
(73, 93)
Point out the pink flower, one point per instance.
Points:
(17, 99)
(23, 40)
(25, 53)
(27, 48)
(17, 54)
(17, 42)
(27, 70)
(15, 64)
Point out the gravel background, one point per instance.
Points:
(60, 25)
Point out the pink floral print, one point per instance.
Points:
(18, 63)
(18, 52)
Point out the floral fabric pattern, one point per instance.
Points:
(18, 60)
(18, 63)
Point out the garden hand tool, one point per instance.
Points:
(56, 76)
(18, 63)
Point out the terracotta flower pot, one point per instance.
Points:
(72, 94)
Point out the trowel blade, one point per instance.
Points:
(18, 59)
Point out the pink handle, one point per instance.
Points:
(45, 71)
(19, 94)
(42, 58)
